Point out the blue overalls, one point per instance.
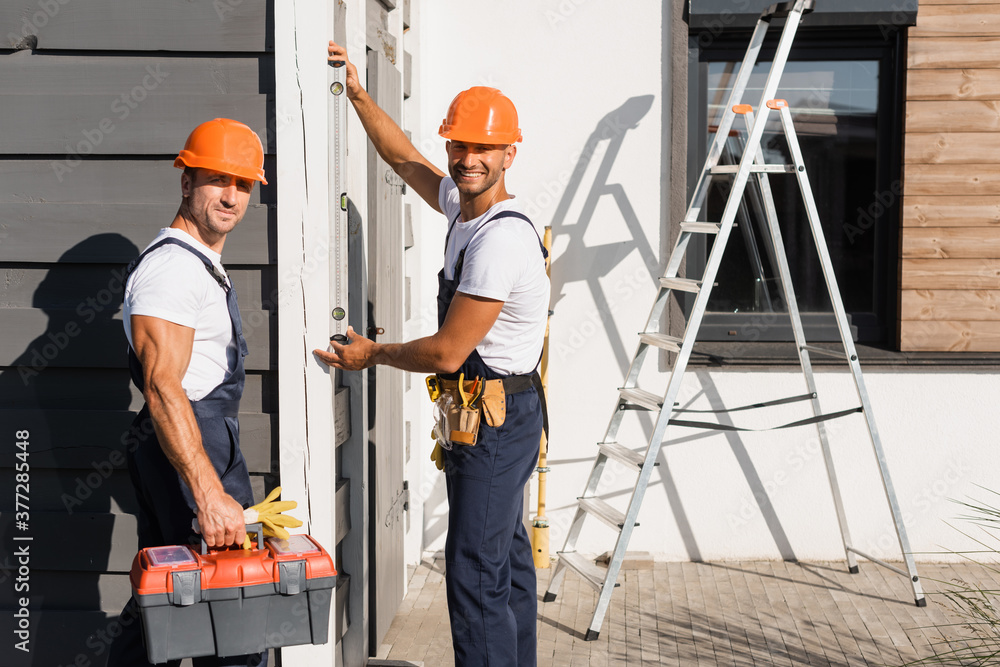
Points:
(490, 573)
(166, 505)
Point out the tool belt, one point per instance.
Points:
(458, 415)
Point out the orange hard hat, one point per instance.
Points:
(481, 115)
(224, 145)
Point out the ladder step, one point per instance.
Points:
(838, 354)
(701, 227)
(592, 573)
(623, 454)
(662, 341)
(642, 398)
(683, 284)
(603, 511)
(754, 169)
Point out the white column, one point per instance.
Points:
(306, 423)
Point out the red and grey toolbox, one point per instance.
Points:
(233, 602)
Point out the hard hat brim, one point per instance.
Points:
(187, 159)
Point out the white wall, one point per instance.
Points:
(567, 65)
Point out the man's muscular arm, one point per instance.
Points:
(469, 319)
(164, 350)
(389, 140)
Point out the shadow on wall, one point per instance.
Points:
(69, 393)
(580, 262)
(590, 263)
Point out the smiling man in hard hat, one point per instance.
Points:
(493, 299)
(186, 352)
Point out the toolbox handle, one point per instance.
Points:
(255, 528)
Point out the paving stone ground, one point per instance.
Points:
(725, 613)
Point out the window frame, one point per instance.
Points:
(857, 43)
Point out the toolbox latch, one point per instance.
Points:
(186, 585)
(292, 577)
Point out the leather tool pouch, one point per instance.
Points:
(494, 403)
(459, 424)
(463, 423)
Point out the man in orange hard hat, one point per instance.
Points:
(493, 299)
(186, 352)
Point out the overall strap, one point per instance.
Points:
(212, 270)
(502, 214)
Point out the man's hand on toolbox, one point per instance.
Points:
(220, 520)
(268, 513)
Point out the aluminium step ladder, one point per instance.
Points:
(632, 398)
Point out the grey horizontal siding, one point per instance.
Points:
(140, 25)
(26, 73)
(94, 540)
(75, 491)
(36, 340)
(135, 122)
(76, 591)
(47, 232)
(62, 638)
(108, 388)
(97, 439)
(93, 115)
(68, 285)
(126, 181)
(54, 490)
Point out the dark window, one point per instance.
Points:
(843, 88)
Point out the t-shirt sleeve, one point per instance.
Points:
(448, 198)
(165, 285)
(495, 261)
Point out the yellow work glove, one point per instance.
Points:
(269, 514)
(438, 456)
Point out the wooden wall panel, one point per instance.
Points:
(950, 246)
(952, 336)
(950, 242)
(979, 148)
(957, 18)
(951, 211)
(953, 52)
(953, 84)
(957, 274)
(954, 116)
(951, 305)
(959, 179)
(145, 25)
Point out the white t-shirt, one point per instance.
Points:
(172, 283)
(503, 262)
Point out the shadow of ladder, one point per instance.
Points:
(633, 399)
